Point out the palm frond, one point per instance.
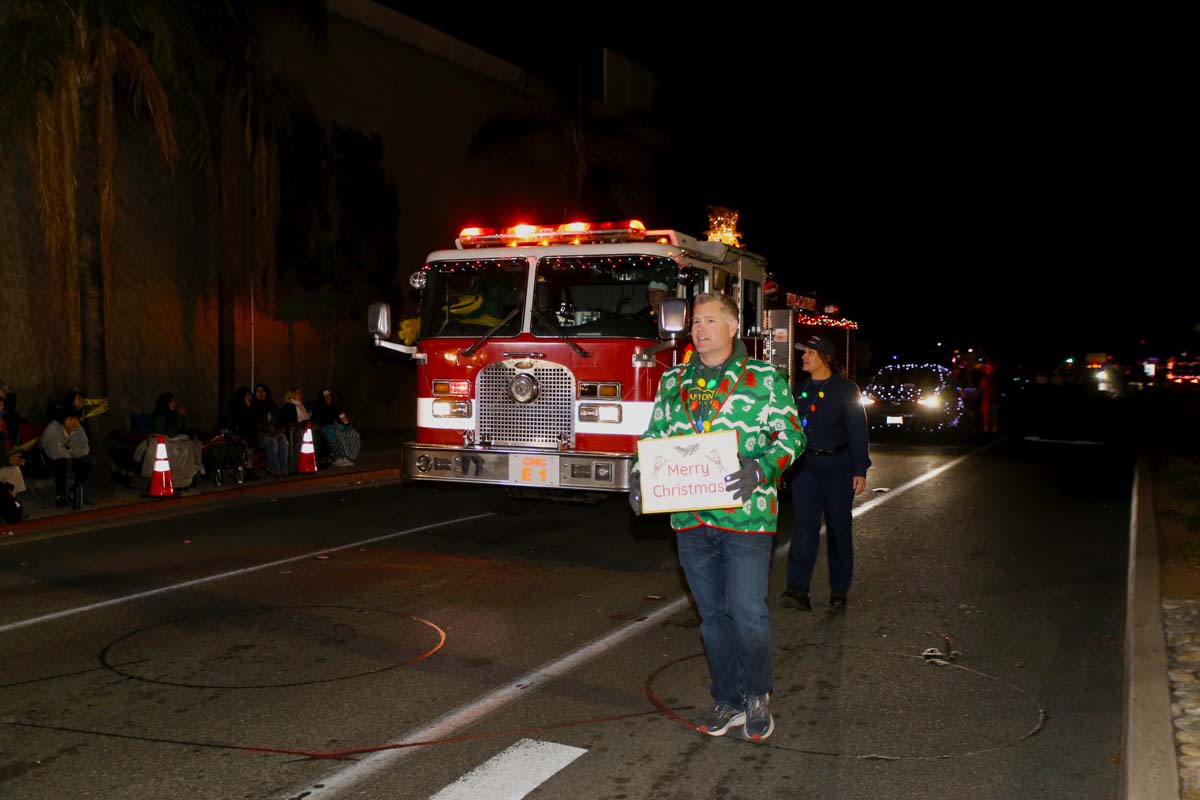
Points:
(32, 39)
(146, 89)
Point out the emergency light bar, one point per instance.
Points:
(566, 233)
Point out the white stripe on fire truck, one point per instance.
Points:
(635, 418)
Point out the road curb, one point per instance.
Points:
(186, 503)
(1148, 750)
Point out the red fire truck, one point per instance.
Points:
(541, 347)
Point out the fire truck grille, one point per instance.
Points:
(504, 421)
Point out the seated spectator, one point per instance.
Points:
(168, 417)
(270, 438)
(241, 416)
(185, 454)
(10, 462)
(9, 416)
(294, 411)
(73, 400)
(66, 445)
(344, 440)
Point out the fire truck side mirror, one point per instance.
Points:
(379, 320)
(672, 316)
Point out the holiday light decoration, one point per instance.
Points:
(722, 223)
(827, 322)
(917, 406)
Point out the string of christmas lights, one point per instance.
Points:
(828, 322)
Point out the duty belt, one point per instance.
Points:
(819, 453)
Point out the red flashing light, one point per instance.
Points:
(524, 234)
(467, 233)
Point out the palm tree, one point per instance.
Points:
(62, 61)
(249, 112)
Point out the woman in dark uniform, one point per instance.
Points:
(826, 478)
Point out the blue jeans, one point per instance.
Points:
(278, 452)
(727, 573)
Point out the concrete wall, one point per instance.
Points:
(162, 336)
(379, 72)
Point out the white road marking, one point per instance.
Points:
(513, 773)
(1064, 441)
(129, 598)
(456, 719)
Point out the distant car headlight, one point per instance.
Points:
(867, 401)
(931, 402)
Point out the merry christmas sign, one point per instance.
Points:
(687, 473)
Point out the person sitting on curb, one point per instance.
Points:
(66, 445)
(344, 440)
(184, 453)
(270, 438)
(294, 414)
(169, 417)
(10, 418)
(10, 462)
(293, 411)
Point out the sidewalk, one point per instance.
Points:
(1177, 518)
(381, 463)
(1161, 754)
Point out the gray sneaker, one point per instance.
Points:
(759, 724)
(722, 717)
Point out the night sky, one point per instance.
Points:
(1010, 184)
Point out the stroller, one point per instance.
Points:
(225, 457)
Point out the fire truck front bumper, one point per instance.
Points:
(531, 468)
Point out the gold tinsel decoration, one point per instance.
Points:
(722, 223)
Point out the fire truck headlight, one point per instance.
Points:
(451, 408)
(866, 401)
(524, 388)
(442, 387)
(931, 402)
(591, 390)
(599, 412)
(417, 279)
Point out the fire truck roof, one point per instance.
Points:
(666, 243)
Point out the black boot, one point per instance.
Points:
(795, 599)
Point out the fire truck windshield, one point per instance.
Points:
(613, 296)
(470, 297)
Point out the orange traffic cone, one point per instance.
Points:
(160, 483)
(308, 453)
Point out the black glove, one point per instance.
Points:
(635, 496)
(743, 482)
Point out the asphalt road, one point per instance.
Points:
(275, 649)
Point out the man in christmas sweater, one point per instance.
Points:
(726, 553)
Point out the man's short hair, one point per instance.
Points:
(727, 305)
(64, 413)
